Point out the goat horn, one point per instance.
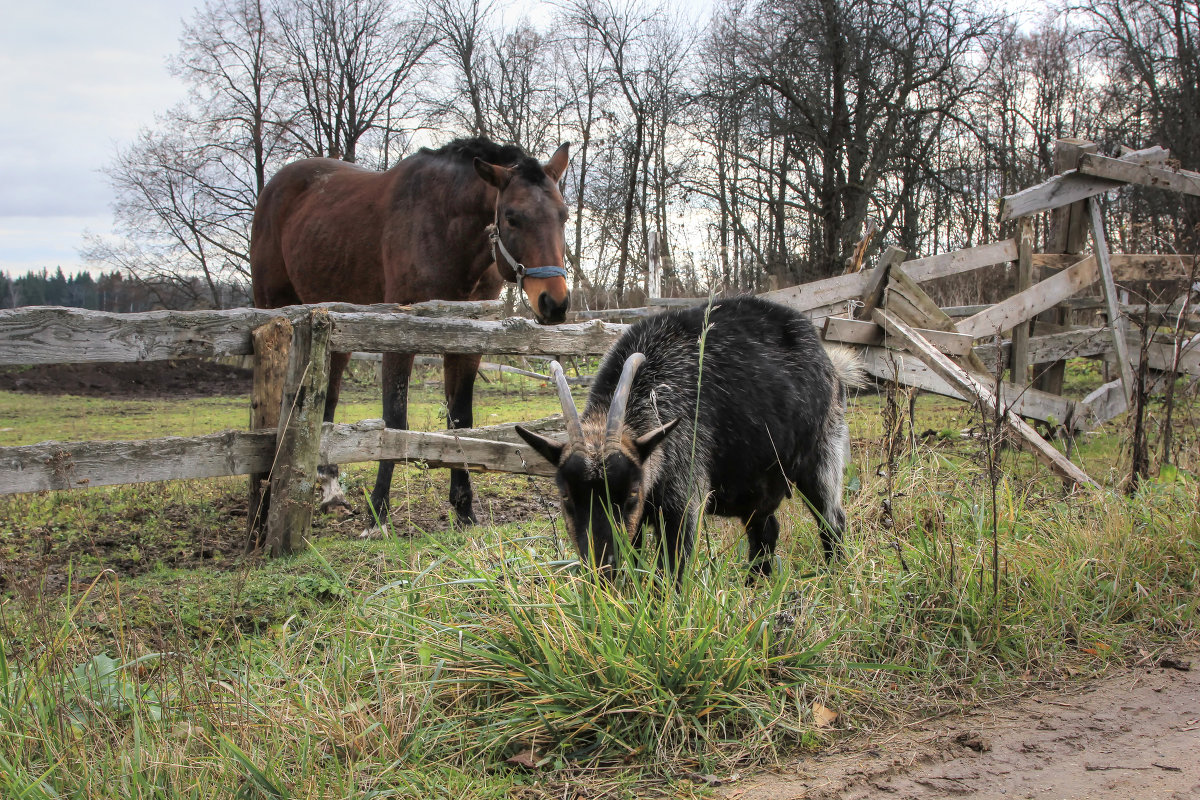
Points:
(570, 413)
(616, 409)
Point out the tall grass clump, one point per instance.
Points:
(534, 654)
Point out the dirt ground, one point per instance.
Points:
(185, 377)
(1131, 735)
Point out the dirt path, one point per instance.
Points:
(1131, 735)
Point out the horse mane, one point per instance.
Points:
(506, 155)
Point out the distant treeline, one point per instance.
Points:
(111, 291)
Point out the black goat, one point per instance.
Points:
(769, 414)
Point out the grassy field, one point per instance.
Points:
(143, 655)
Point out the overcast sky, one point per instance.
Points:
(77, 78)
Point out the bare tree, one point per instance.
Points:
(236, 86)
(1154, 47)
(857, 75)
(462, 36)
(621, 31)
(184, 211)
(350, 62)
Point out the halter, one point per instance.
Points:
(520, 270)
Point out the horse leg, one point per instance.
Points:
(397, 367)
(332, 495)
(460, 387)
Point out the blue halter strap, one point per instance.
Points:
(520, 270)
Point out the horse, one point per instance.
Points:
(429, 228)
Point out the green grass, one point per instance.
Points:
(141, 655)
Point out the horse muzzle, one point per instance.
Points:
(551, 311)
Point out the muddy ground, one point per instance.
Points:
(1131, 735)
(185, 377)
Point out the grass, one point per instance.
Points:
(443, 664)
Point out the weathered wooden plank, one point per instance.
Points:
(640, 312)
(907, 300)
(397, 333)
(79, 465)
(972, 258)
(464, 309)
(50, 466)
(49, 335)
(1052, 347)
(1151, 156)
(872, 296)
(1024, 306)
(1127, 267)
(816, 294)
(1061, 190)
(52, 335)
(973, 387)
(1162, 354)
(908, 370)
(369, 441)
(857, 331)
(1116, 169)
(294, 471)
(1103, 404)
(1116, 322)
(1071, 185)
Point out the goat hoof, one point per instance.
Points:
(338, 504)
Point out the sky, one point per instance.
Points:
(77, 79)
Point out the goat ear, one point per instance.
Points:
(648, 442)
(495, 175)
(548, 448)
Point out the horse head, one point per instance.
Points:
(529, 239)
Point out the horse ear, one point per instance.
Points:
(495, 175)
(556, 167)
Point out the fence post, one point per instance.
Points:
(1068, 234)
(298, 446)
(1019, 362)
(272, 343)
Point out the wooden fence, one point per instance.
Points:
(902, 334)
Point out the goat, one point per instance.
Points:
(725, 407)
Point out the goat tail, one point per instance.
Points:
(848, 366)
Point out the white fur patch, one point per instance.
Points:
(331, 493)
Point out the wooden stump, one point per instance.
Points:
(272, 343)
(294, 476)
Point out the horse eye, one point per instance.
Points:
(511, 218)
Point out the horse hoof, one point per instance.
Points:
(466, 520)
(373, 532)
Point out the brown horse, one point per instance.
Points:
(427, 229)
